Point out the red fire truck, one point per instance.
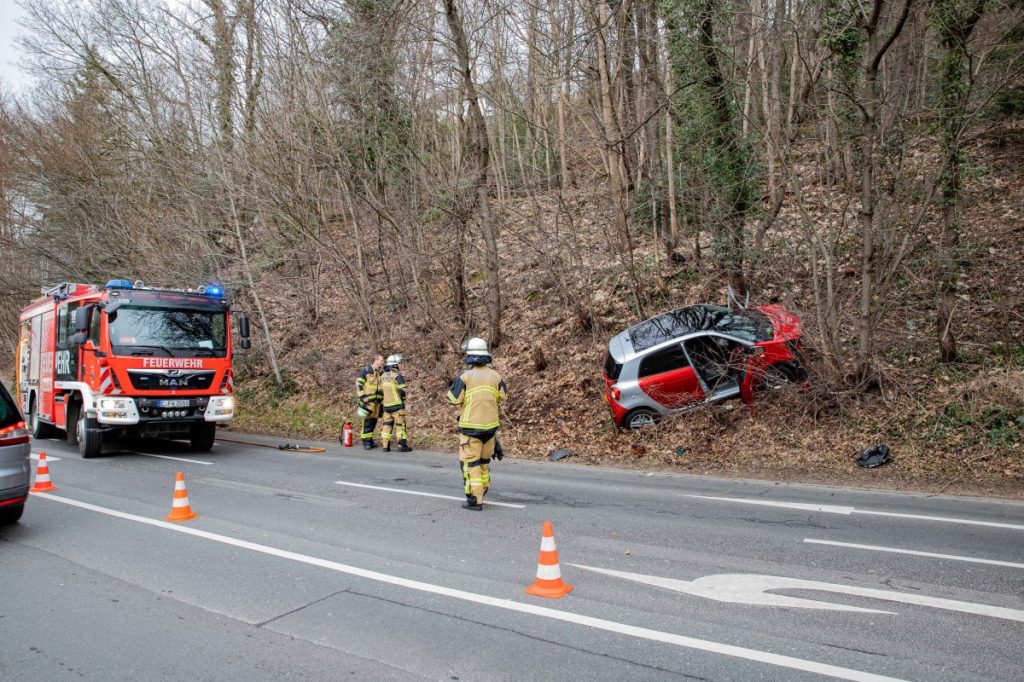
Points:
(126, 359)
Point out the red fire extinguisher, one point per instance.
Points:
(347, 435)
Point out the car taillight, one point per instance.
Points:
(15, 434)
(615, 393)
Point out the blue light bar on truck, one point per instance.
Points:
(119, 284)
(214, 290)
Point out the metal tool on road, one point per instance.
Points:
(299, 448)
(43, 483)
(549, 581)
(180, 508)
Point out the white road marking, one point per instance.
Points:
(176, 459)
(752, 589)
(487, 503)
(826, 508)
(846, 511)
(895, 550)
(943, 519)
(507, 604)
(49, 458)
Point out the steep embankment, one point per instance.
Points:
(953, 428)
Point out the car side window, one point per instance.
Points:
(666, 360)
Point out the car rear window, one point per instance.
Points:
(9, 414)
(612, 368)
(667, 360)
(671, 325)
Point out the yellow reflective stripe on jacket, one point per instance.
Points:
(392, 386)
(467, 407)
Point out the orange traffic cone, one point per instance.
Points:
(180, 509)
(549, 576)
(42, 484)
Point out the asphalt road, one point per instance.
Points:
(327, 567)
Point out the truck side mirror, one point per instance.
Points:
(78, 338)
(243, 331)
(83, 318)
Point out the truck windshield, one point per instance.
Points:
(163, 331)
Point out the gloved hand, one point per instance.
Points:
(499, 453)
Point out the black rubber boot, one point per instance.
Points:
(403, 446)
(387, 447)
(472, 506)
(369, 445)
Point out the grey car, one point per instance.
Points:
(14, 460)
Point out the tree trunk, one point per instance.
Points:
(957, 19)
(480, 153)
(869, 105)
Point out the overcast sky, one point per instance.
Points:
(10, 15)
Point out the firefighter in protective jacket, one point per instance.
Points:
(478, 391)
(369, 397)
(393, 388)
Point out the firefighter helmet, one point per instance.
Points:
(393, 360)
(476, 351)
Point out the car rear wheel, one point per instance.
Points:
(11, 514)
(639, 418)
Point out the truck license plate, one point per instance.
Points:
(172, 403)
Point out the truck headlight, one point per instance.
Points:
(220, 407)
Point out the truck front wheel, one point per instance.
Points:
(202, 436)
(90, 437)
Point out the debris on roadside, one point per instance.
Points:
(874, 457)
(562, 453)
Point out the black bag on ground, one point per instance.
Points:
(874, 457)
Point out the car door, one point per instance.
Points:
(723, 364)
(667, 377)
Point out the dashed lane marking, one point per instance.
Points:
(846, 511)
(49, 458)
(487, 503)
(176, 459)
(931, 555)
(730, 650)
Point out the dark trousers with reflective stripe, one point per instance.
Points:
(370, 421)
(475, 458)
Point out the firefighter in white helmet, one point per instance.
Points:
(392, 385)
(478, 391)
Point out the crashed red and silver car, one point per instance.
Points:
(696, 355)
